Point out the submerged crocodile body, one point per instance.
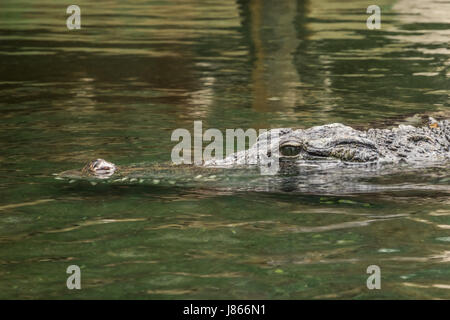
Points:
(323, 155)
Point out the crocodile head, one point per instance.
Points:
(336, 144)
(329, 145)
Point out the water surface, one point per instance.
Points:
(136, 71)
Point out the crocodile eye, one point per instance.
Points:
(290, 151)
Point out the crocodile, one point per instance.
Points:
(325, 155)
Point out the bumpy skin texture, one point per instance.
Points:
(337, 144)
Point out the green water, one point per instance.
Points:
(136, 71)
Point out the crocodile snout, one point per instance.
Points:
(99, 168)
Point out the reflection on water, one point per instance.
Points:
(138, 70)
